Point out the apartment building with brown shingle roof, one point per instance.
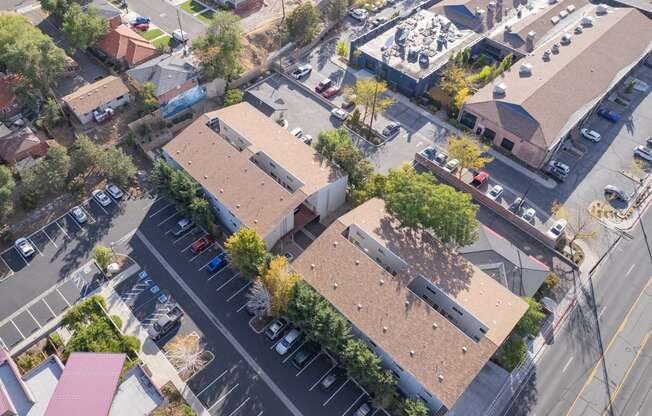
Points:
(256, 173)
(432, 317)
(549, 93)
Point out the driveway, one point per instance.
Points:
(164, 15)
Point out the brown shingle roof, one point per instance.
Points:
(267, 136)
(256, 199)
(562, 90)
(124, 43)
(400, 328)
(20, 144)
(91, 96)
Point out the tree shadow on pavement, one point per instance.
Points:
(522, 404)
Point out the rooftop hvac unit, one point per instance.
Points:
(525, 69)
(601, 9)
(500, 89)
(586, 21)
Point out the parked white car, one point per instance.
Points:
(452, 165)
(643, 152)
(301, 71)
(557, 229)
(101, 198)
(359, 14)
(114, 190)
(24, 247)
(339, 114)
(495, 192)
(592, 135)
(529, 214)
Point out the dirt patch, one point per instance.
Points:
(259, 43)
(600, 209)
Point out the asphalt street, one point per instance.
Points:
(164, 15)
(613, 317)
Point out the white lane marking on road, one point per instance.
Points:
(30, 314)
(224, 396)
(261, 413)
(319, 380)
(159, 211)
(3, 344)
(353, 404)
(630, 269)
(604, 308)
(167, 219)
(88, 214)
(35, 246)
(227, 282)
(16, 326)
(64, 298)
(220, 327)
(75, 221)
(336, 391)
(308, 365)
(293, 352)
(236, 293)
(239, 407)
(211, 383)
(10, 269)
(22, 257)
(62, 230)
(50, 238)
(570, 360)
(51, 310)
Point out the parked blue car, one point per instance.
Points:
(609, 115)
(141, 20)
(218, 263)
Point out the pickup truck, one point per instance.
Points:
(166, 323)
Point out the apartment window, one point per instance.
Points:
(458, 311)
(380, 250)
(489, 134)
(373, 343)
(359, 235)
(272, 175)
(507, 144)
(231, 214)
(423, 399)
(272, 165)
(234, 224)
(120, 97)
(428, 288)
(398, 366)
(484, 331)
(396, 375)
(290, 178)
(468, 119)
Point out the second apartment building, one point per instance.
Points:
(257, 174)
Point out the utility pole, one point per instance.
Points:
(183, 37)
(280, 37)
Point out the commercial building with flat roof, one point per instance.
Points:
(256, 173)
(567, 72)
(433, 318)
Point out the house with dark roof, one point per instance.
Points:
(255, 173)
(171, 74)
(545, 97)
(124, 47)
(90, 384)
(505, 262)
(432, 317)
(18, 146)
(9, 106)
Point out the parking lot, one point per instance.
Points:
(226, 386)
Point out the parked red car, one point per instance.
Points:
(480, 178)
(331, 92)
(202, 244)
(141, 27)
(323, 85)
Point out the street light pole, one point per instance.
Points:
(183, 37)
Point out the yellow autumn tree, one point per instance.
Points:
(279, 282)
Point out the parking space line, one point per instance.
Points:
(239, 290)
(30, 314)
(200, 253)
(64, 231)
(34, 245)
(64, 298)
(204, 266)
(49, 308)
(353, 404)
(223, 397)
(211, 383)
(3, 344)
(276, 342)
(144, 303)
(189, 233)
(16, 326)
(22, 257)
(160, 210)
(293, 352)
(101, 207)
(260, 414)
(337, 391)
(319, 380)
(244, 305)
(190, 245)
(49, 238)
(227, 282)
(158, 198)
(308, 365)
(88, 214)
(215, 274)
(239, 407)
(167, 219)
(12, 270)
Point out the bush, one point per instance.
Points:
(513, 353)
(551, 281)
(117, 320)
(29, 359)
(530, 322)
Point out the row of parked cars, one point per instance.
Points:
(292, 336)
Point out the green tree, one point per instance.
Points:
(413, 407)
(452, 80)
(85, 155)
(530, 322)
(361, 363)
(337, 146)
(581, 224)
(470, 153)
(103, 257)
(199, 210)
(117, 166)
(7, 185)
(219, 50)
(342, 49)
(82, 28)
(25, 50)
(232, 97)
(51, 114)
(161, 176)
(337, 9)
(246, 250)
(183, 188)
(374, 187)
(513, 353)
(147, 97)
(303, 23)
(48, 174)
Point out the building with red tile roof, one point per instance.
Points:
(126, 47)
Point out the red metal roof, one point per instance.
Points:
(87, 385)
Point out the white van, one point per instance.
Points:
(180, 36)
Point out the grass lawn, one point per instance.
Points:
(192, 7)
(207, 16)
(151, 34)
(162, 41)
